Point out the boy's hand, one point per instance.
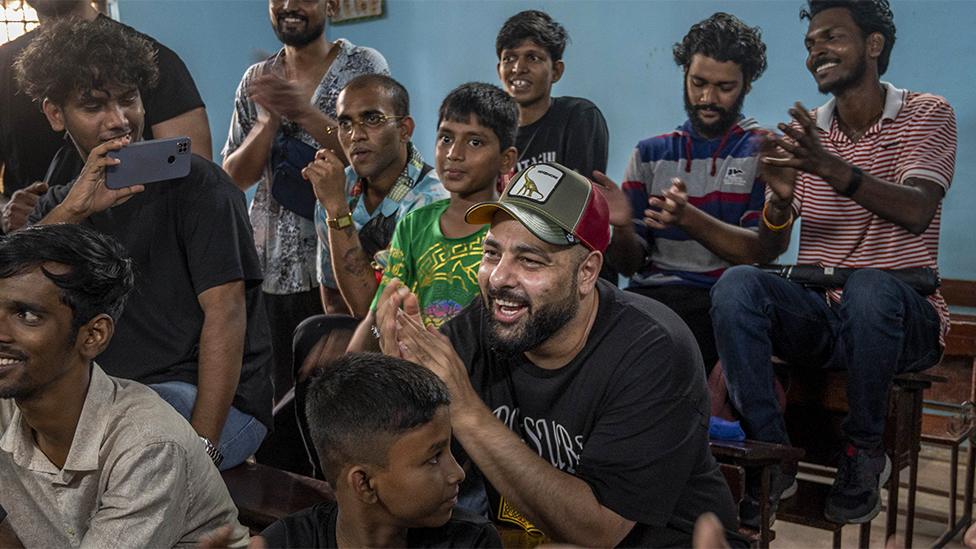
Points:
(21, 204)
(89, 195)
(395, 297)
(328, 178)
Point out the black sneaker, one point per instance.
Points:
(780, 483)
(855, 496)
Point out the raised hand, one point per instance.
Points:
(395, 297)
(279, 96)
(780, 178)
(89, 195)
(620, 210)
(328, 178)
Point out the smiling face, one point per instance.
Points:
(468, 156)
(419, 485)
(92, 117)
(527, 73)
(838, 52)
(714, 94)
(372, 151)
(530, 287)
(299, 22)
(38, 345)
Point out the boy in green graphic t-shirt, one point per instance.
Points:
(433, 251)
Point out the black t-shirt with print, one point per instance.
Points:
(316, 527)
(573, 132)
(629, 416)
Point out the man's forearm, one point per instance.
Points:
(560, 504)
(736, 245)
(911, 205)
(221, 357)
(246, 164)
(354, 272)
(626, 252)
(323, 130)
(774, 242)
(61, 214)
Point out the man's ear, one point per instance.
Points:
(407, 126)
(332, 8)
(94, 336)
(54, 114)
(359, 479)
(557, 70)
(509, 158)
(589, 272)
(875, 44)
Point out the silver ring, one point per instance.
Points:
(375, 331)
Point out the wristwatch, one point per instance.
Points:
(212, 451)
(340, 222)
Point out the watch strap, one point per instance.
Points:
(340, 222)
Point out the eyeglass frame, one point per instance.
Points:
(384, 118)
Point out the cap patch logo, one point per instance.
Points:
(536, 183)
(734, 176)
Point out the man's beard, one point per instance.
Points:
(727, 117)
(533, 330)
(297, 39)
(846, 82)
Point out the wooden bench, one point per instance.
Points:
(735, 458)
(817, 404)
(264, 494)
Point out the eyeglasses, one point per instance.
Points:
(371, 121)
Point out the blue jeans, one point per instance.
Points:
(880, 328)
(242, 434)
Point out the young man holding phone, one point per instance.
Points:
(194, 329)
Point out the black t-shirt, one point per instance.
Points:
(316, 527)
(572, 132)
(629, 416)
(184, 236)
(27, 142)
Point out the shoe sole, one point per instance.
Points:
(869, 516)
(790, 491)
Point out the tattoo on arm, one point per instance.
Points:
(355, 262)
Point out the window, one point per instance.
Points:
(17, 18)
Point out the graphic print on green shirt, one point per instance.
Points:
(442, 272)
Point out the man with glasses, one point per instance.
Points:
(358, 209)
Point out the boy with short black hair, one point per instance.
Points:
(433, 251)
(382, 429)
(568, 130)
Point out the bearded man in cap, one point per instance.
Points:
(583, 407)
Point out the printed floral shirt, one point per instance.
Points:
(285, 241)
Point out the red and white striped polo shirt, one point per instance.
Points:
(916, 137)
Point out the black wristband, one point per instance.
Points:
(857, 176)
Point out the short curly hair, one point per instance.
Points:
(536, 26)
(71, 55)
(724, 37)
(869, 15)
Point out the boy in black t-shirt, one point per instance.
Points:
(382, 428)
(568, 130)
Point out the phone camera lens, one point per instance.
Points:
(171, 159)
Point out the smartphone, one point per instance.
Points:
(149, 161)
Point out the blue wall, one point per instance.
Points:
(619, 57)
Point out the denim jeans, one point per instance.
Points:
(242, 434)
(880, 328)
